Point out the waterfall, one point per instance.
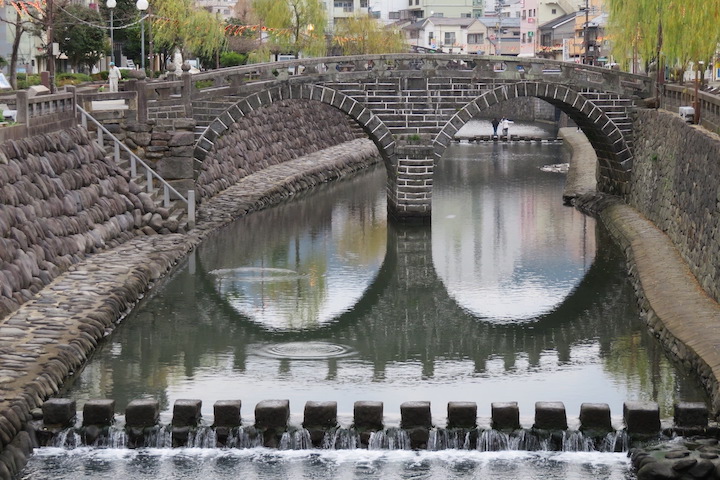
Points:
(340, 439)
(67, 438)
(442, 439)
(391, 439)
(245, 437)
(297, 440)
(574, 441)
(202, 437)
(493, 441)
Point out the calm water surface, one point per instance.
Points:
(507, 296)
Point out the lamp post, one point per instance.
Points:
(587, 21)
(142, 5)
(111, 4)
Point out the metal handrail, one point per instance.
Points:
(150, 173)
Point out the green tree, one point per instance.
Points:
(179, 24)
(675, 32)
(293, 26)
(362, 34)
(78, 35)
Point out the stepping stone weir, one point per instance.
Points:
(367, 418)
(271, 418)
(98, 415)
(319, 418)
(691, 415)
(642, 418)
(186, 416)
(462, 415)
(59, 413)
(141, 419)
(595, 418)
(550, 416)
(416, 420)
(227, 417)
(505, 416)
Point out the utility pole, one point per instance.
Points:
(50, 52)
(587, 30)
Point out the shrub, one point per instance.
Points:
(24, 81)
(232, 59)
(63, 79)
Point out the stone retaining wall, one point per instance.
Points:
(60, 199)
(271, 135)
(675, 185)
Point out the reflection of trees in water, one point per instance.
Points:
(406, 316)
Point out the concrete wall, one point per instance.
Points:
(675, 185)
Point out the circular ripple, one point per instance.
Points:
(306, 350)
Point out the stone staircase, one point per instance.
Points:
(618, 109)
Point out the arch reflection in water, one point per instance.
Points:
(412, 337)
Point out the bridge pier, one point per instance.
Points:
(410, 183)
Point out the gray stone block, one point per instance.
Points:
(320, 415)
(227, 413)
(272, 414)
(142, 413)
(505, 416)
(595, 416)
(641, 417)
(415, 414)
(59, 412)
(186, 413)
(691, 414)
(550, 416)
(368, 415)
(462, 415)
(99, 412)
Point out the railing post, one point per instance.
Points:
(141, 99)
(117, 152)
(191, 208)
(21, 104)
(187, 89)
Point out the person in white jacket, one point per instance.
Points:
(506, 125)
(114, 77)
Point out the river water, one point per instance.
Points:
(507, 296)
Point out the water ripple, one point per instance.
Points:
(305, 350)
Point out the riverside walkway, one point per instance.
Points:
(51, 336)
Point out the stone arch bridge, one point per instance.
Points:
(411, 105)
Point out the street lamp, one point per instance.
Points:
(142, 5)
(111, 4)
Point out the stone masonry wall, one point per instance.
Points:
(271, 135)
(60, 199)
(675, 185)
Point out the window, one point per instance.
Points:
(449, 38)
(431, 38)
(524, 15)
(553, 11)
(465, 15)
(524, 40)
(394, 15)
(363, 3)
(476, 38)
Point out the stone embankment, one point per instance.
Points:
(109, 266)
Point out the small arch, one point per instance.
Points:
(376, 130)
(614, 155)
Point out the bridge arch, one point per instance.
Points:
(371, 124)
(614, 155)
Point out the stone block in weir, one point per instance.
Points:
(320, 415)
(505, 416)
(227, 413)
(415, 414)
(99, 412)
(550, 416)
(641, 418)
(59, 412)
(595, 417)
(691, 415)
(368, 415)
(142, 413)
(462, 415)
(186, 413)
(272, 414)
